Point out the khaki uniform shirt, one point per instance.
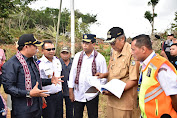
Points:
(122, 66)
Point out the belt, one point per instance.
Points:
(55, 93)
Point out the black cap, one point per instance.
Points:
(28, 39)
(89, 38)
(171, 35)
(113, 33)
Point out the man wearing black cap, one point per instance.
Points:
(121, 66)
(85, 64)
(21, 79)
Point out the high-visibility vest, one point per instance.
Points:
(153, 101)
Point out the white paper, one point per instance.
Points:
(115, 86)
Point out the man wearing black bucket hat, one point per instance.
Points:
(122, 66)
(21, 79)
(85, 64)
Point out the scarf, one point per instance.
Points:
(79, 64)
(28, 85)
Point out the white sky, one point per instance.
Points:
(127, 14)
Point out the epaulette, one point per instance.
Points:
(38, 61)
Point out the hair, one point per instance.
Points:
(143, 40)
(46, 41)
(121, 36)
(20, 47)
(174, 44)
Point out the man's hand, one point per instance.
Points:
(43, 100)
(107, 93)
(71, 95)
(101, 75)
(35, 92)
(56, 80)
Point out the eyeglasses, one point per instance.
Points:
(49, 49)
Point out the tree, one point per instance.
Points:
(150, 16)
(174, 25)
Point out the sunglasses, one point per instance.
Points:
(49, 49)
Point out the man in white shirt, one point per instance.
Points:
(49, 66)
(157, 82)
(86, 63)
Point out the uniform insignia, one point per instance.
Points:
(38, 61)
(119, 33)
(133, 62)
(47, 69)
(149, 72)
(85, 37)
(49, 76)
(109, 35)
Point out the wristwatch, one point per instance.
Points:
(28, 94)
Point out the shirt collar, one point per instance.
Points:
(45, 59)
(124, 50)
(92, 54)
(147, 60)
(26, 58)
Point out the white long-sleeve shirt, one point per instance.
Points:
(86, 70)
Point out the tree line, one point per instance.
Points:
(17, 18)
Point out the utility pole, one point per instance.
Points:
(72, 29)
(58, 25)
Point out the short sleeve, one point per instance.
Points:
(133, 69)
(168, 80)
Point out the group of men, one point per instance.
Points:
(30, 86)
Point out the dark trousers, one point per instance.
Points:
(34, 114)
(92, 108)
(69, 107)
(54, 107)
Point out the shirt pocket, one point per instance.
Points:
(123, 70)
(48, 72)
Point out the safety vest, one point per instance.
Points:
(153, 101)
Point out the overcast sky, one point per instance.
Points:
(127, 14)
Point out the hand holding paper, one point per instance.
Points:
(115, 86)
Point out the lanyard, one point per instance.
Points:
(140, 77)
